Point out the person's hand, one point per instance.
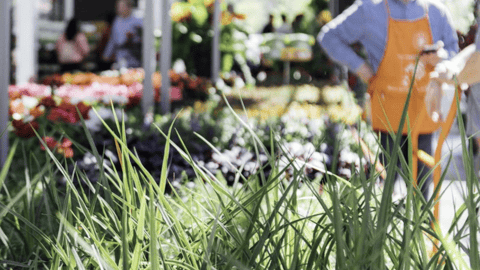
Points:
(365, 73)
(444, 72)
(434, 57)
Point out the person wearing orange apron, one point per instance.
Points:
(393, 32)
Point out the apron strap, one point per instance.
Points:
(423, 4)
(388, 8)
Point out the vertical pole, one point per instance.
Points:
(216, 42)
(26, 51)
(69, 9)
(157, 16)
(4, 77)
(166, 56)
(286, 72)
(148, 58)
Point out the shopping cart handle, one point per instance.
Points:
(426, 158)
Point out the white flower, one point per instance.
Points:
(239, 83)
(29, 102)
(17, 116)
(179, 66)
(104, 113)
(93, 126)
(116, 99)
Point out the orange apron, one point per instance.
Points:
(389, 87)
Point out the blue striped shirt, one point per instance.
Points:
(366, 21)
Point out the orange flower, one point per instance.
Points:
(16, 106)
(37, 111)
(157, 80)
(227, 18)
(65, 148)
(240, 16)
(14, 94)
(68, 152)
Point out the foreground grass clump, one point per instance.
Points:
(127, 221)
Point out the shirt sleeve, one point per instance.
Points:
(110, 44)
(336, 36)
(450, 38)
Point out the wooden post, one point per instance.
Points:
(4, 77)
(216, 42)
(166, 56)
(148, 58)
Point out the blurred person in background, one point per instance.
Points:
(297, 26)
(72, 47)
(125, 45)
(106, 33)
(394, 33)
(269, 27)
(285, 28)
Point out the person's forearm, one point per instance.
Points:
(107, 54)
(469, 65)
(460, 60)
(340, 52)
(465, 65)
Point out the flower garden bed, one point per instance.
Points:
(315, 133)
(227, 188)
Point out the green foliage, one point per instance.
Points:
(274, 221)
(192, 36)
(126, 221)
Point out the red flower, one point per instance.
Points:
(50, 141)
(64, 148)
(48, 102)
(84, 109)
(58, 114)
(25, 130)
(64, 112)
